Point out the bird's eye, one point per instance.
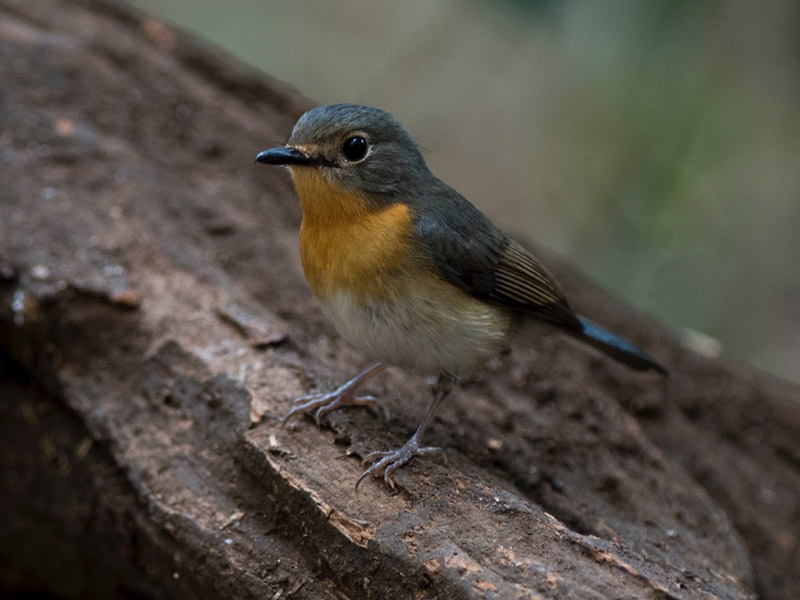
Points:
(355, 148)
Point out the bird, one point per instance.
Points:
(407, 269)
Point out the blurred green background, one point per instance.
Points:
(654, 144)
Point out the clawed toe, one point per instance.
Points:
(391, 460)
(307, 403)
(322, 404)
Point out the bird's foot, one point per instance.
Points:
(391, 460)
(323, 403)
(344, 395)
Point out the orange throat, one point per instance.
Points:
(346, 245)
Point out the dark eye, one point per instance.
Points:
(355, 148)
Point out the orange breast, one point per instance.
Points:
(344, 243)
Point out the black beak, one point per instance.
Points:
(284, 156)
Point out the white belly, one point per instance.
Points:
(423, 331)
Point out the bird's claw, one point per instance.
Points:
(323, 403)
(391, 460)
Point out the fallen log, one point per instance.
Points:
(155, 325)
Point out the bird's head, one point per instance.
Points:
(355, 149)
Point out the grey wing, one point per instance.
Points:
(523, 283)
(472, 254)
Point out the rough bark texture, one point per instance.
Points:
(155, 325)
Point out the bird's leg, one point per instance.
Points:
(391, 460)
(323, 403)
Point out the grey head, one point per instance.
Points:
(362, 148)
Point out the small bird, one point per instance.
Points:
(407, 269)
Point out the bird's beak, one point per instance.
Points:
(284, 156)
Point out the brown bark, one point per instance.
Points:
(155, 325)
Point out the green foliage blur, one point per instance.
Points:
(655, 144)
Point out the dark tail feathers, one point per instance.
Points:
(616, 347)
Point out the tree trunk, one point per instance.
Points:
(155, 326)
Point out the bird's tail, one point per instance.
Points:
(616, 347)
